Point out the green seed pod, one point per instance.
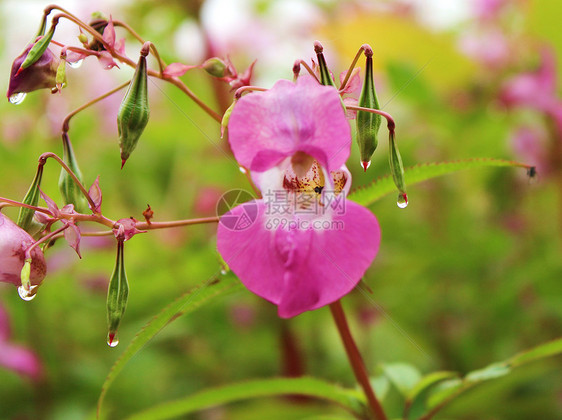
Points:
(117, 294)
(71, 193)
(368, 124)
(397, 170)
(325, 76)
(25, 216)
(134, 112)
(38, 48)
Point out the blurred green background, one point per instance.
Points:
(470, 273)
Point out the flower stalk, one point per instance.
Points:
(356, 361)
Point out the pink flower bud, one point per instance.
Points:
(39, 75)
(13, 243)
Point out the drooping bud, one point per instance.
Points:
(40, 75)
(215, 67)
(397, 170)
(368, 124)
(134, 112)
(13, 243)
(70, 192)
(117, 295)
(325, 76)
(25, 216)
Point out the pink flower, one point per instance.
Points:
(536, 89)
(14, 357)
(303, 245)
(13, 243)
(39, 75)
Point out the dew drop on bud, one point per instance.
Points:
(27, 295)
(242, 169)
(402, 201)
(365, 165)
(17, 98)
(223, 272)
(112, 340)
(75, 64)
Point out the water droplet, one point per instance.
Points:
(75, 64)
(223, 272)
(17, 98)
(27, 295)
(365, 165)
(243, 170)
(402, 201)
(112, 340)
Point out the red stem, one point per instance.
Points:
(356, 361)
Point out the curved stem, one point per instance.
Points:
(66, 122)
(364, 48)
(307, 67)
(43, 158)
(356, 361)
(389, 120)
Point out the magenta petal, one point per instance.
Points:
(20, 360)
(301, 269)
(266, 127)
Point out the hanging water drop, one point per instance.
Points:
(75, 64)
(27, 295)
(365, 165)
(242, 169)
(112, 340)
(17, 98)
(402, 201)
(223, 271)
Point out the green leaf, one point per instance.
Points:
(380, 385)
(551, 348)
(385, 185)
(428, 381)
(402, 375)
(185, 304)
(448, 390)
(495, 370)
(349, 399)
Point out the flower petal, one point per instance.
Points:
(301, 268)
(267, 127)
(20, 360)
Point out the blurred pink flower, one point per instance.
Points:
(488, 9)
(488, 46)
(536, 89)
(302, 246)
(14, 357)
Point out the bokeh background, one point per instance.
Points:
(468, 274)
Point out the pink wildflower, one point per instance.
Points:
(13, 243)
(303, 246)
(15, 357)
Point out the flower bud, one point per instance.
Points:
(117, 295)
(13, 243)
(25, 216)
(368, 124)
(226, 118)
(70, 192)
(325, 76)
(397, 170)
(215, 67)
(38, 48)
(134, 112)
(40, 75)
